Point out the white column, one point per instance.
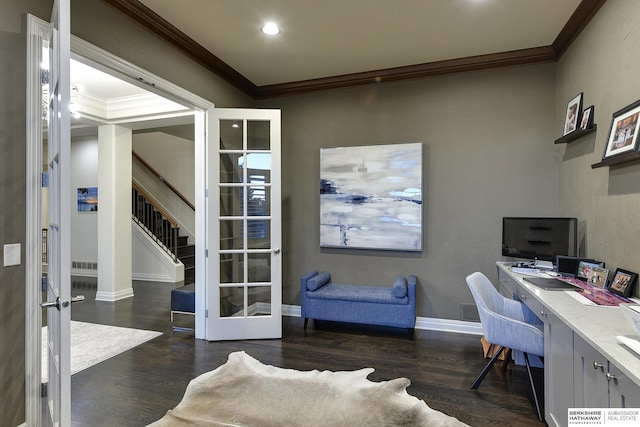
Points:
(114, 213)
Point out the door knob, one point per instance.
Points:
(56, 303)
(50, 304)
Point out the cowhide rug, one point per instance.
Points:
(244, 392)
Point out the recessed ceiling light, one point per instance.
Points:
(270, 29)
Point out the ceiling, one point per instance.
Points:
(98, 98)
(339, 43)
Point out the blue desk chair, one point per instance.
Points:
(506, 323)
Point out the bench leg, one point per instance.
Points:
(305, 322)
(180, 328)
(411, 333)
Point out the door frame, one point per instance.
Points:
(100, 59)
(33, 249)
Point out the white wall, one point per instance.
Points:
(84, 173)
(171, 156)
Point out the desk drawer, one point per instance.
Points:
(530, 301)
(506, 286)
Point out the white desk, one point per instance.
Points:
(585, 366)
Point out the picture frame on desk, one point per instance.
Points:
(623, 133)
(585, 266)
(623, 282)
(574, 111)
(598, 277)
(587, 118)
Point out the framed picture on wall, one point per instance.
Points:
(574, 109)
(371, 197)
(587, 118)
(623, 282)
(623, 134)
(88, 199)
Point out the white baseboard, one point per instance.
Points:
(424, 323)
(114, 296)
(84, 273)
(153, 277)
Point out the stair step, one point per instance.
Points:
(186, 250)
(188, 261)
(183, 240)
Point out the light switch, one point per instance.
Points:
(12, 254)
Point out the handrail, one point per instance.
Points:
(159, 208)
(161, 178)
(155, 227)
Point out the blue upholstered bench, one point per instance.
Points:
(395, 305)
(183, 301)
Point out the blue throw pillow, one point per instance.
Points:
(318, 281)
(399, 289)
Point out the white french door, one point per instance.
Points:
(58, 164)
(244, 263)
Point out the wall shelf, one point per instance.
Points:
(616, 160)
(578, 133)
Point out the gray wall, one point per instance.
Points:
(488, 153)
(603, 63)
(13, 200)
(96, 22)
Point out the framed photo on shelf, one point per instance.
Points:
(623, 282)
(623, 134)
(587, 118)
(598, 277)
(574, 109)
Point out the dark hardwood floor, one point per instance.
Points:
(138, 386)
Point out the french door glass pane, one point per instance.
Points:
(231, 268)
(259, 201)
(259, 267)
(259, 168)
(231, 234)
(258, 135)
(231, 167)
(231, 134)
(259, 234)
(232, 301)
(231, 201)
(259, 301)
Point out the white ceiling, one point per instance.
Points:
(336, 37)
(98, 98)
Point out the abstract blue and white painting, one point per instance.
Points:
(371, 197)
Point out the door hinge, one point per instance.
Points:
(206, 253)
(206, 314)
(206, 192)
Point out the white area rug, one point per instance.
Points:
(92, 343)
(244, 392)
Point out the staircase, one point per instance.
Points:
(165, 231)
(187, 255)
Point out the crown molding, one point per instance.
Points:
(537, 55)
(163, 28)
(576, 23)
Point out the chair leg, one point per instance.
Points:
(486, 369)
(507, 358)
(533, 387)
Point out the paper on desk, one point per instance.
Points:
(580, 298)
